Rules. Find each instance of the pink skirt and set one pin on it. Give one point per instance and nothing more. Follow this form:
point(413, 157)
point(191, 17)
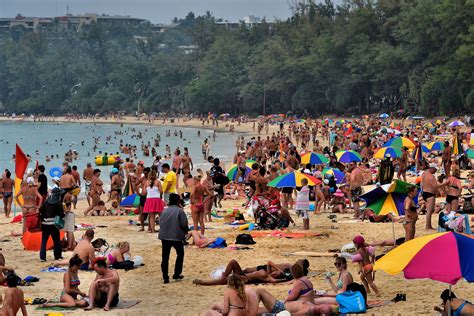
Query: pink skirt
point(154, 205)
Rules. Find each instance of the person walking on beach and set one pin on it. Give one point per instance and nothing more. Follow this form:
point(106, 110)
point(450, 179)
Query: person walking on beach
point(302, 203)
point(87, 176)
point(96, 190)
point(169, 183)
point(176, 165)
point(42, 183)
point(173, 230)
point(356, 180)
point(197, 203)
point(154, 204)
point(77, 179)
point(49, 210)
point(30, 195)
point(7, 188)
point(429, 185)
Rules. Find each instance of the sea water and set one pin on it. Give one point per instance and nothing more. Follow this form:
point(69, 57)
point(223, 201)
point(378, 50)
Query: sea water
point(39, 139)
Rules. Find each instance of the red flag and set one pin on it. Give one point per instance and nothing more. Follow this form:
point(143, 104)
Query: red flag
point(21, 162)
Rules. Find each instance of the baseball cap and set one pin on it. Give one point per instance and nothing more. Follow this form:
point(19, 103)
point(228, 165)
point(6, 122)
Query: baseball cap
point(115, 170)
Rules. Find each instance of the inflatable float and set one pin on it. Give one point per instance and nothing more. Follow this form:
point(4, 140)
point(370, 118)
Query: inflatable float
point(106, 160)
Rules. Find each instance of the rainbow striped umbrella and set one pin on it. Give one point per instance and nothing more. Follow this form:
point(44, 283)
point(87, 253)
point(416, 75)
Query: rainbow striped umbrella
point(400, 142)
point(347, 156)
point(234, 171)
point(455, 124)
point(131, 200)
point(457, 146)
point(388, 198)
point(385, 152)
point(338, 175)
point(470, 153)
point(314, 159)
point(417, 153)
point(444, 257)
point(292, 180)
point(436, 146)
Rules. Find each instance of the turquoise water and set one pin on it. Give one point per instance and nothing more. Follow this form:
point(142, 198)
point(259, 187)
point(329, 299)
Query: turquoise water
point(41, 139)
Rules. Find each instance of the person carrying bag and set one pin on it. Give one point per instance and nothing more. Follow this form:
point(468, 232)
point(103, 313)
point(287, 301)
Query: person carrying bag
point(52, 220)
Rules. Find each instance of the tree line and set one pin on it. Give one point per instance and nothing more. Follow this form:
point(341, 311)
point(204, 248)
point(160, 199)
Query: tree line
point(357, 57)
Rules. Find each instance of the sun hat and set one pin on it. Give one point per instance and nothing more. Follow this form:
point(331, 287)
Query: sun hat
point(339, 193)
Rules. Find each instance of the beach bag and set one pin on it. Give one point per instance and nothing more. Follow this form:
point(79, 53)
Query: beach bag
point(244, 239)
point(58, 222)
point(125, 265)
point(351, 302)
point(33, 222)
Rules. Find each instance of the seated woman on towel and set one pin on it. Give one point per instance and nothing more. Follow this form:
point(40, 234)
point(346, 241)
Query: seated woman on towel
point(300, 299)
point(116, 257)
point(343, 280)
point(238, 300)
point(259, 276)
point(459, 307)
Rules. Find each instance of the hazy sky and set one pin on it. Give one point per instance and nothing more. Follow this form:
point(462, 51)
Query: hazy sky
point(157, 11)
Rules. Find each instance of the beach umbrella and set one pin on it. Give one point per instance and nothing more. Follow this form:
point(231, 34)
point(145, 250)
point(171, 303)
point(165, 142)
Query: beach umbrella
point(471, 139)
point(234, 171)
point(388, 198)
point(131, 201)
point(417, 153)
point(436, 146)
point(420, 258)
point(292, 180)
point(400, 142)
point(470, 153)
point(388, 130)
point(438, 122)
point(314, 159)
point(457, 146)
point(338, 175)
point(385, 152)
point(455, 124)
point(347, 156)
point(128, 189)
point(384, 115)
point(428, 125)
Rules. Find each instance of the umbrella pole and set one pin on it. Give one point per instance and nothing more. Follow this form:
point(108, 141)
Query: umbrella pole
point(393, 232)
point(449, 305)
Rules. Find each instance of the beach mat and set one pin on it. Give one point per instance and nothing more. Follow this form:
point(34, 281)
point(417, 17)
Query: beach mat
point(281, 234)
point(312, 254)
point(123, 304)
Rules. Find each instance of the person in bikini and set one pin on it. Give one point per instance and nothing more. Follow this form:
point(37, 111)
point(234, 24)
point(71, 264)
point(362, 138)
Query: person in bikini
point(411, 214)
point(30, 195)
point(454, 188)
point(187, 162)
point(454, 306)
point(366, 265)
point(197, 203)
point(96, 191)
point(116, 184)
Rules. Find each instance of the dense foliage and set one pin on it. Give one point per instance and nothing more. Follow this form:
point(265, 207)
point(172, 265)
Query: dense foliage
point(360, 56)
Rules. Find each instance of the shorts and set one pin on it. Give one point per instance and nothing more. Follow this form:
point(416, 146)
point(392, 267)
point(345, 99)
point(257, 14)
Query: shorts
point(142, 200)
point(355, 194)
point(427, 195)
point(69, 222)
point(450, 198)
point(84, 266)
point(102, 300)
point(303, 213)
point(88, 187)
point(6, 195)
point(278, 307)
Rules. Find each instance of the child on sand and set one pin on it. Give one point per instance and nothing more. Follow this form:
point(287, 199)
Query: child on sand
point(302, 203)
point(115, 210)
point(14, 297)
point(366, 264)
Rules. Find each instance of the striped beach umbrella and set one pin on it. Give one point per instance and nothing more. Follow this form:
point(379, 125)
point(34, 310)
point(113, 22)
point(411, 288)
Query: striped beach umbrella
point(292, 180)
point(234, 171)
point(457, 146)
point(385, 152)
point(455, 124)
point(400, 142)
point(388, 198)
point(384, 115)
point(314, 159)
point(420, 258)
point(128, 189)
point(436, 146)
point(417, 153)
point(347, 156)
point(131, 201)
point(338, 175)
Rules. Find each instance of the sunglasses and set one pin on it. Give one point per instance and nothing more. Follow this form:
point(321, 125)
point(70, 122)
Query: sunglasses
point(337, 264)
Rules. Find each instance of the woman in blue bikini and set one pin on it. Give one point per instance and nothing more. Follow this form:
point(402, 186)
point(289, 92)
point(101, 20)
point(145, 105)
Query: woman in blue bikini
point(343, 280)
point(459, 307)
point(69, 295)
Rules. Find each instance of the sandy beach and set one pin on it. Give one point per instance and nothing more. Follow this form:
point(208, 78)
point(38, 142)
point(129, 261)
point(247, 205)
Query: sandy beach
point(183, 298)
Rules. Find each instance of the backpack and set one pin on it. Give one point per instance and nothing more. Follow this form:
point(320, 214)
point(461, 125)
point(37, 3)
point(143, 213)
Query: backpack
point(245, 239)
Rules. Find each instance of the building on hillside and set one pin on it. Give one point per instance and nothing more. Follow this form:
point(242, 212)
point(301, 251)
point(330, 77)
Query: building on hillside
point(248, 21)
point(29, 23)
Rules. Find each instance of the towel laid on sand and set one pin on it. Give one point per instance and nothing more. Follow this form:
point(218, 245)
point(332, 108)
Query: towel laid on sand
point(123, 304)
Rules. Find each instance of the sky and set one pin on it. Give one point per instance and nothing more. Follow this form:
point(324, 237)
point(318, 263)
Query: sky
point(157, 11)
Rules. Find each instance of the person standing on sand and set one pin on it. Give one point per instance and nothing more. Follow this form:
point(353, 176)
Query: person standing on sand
point(173, 230)
point(176, 165)
point(77, 179)
point(197, 203)
point(356, 180)
point(30, 197)
point(187, 163)
point(104, 290)
point(87, 176)
point(96, 190)
point(7, 188)
point(67, 181)
point(42, 183)
point(169, 183)
point(429, 185)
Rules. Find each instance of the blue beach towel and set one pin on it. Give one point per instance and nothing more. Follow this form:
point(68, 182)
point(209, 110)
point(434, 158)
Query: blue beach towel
point(219, 243)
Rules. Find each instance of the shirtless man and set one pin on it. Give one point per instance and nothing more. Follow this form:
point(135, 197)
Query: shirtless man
point(30, 196)
point(187, 163)
point(356, 180)
point(14, 298)
point(446, 158)
point(77, 179)
point(67, 181)
point(197, 204)
point(87, 176)
point(7, 190)
point(429, 185)
point(403, 165)
point(96, 190)
point(177, 164)
point(104, 290)
point(85, 250)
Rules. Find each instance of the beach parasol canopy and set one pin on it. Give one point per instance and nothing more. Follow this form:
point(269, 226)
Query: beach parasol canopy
point(338, 175)
point(457, 146)
point(292, 180)
point(470, 153)
point(384, 115)
point(455, 124)
point(400, 142)
point(347, 156)
point(388, 130)
point(234, 171)
point(388, 198)
point(385, 152)
point(438, 122)
point(132, 200)
point(314, 159)
point(444, 257)
point(436, 146)
point(128, 189)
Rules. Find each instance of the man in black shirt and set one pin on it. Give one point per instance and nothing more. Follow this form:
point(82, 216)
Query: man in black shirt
point(42, 183)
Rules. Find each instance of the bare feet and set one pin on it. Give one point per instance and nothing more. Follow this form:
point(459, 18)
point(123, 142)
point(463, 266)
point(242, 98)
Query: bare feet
point(197, 282)
point(89, 308)
point(106, 308)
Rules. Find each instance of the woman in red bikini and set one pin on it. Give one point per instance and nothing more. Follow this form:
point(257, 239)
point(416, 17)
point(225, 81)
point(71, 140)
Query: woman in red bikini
point(197, 204)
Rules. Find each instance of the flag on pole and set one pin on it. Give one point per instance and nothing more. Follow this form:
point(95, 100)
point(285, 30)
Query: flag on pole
point(21, 162)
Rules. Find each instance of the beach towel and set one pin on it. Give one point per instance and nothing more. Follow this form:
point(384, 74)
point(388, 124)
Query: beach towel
point(123, 304)
point(313, 254)
point(281, 234)
point(54, 269)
